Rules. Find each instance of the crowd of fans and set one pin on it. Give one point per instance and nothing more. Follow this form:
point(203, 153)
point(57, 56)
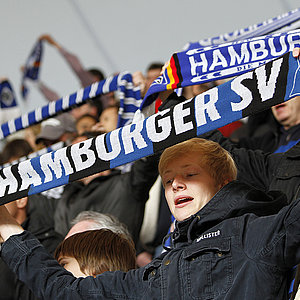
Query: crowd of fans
point(94, 225)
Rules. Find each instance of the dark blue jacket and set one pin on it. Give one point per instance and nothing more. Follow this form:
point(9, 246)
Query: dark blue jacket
point(233, 248)
point(266, 171)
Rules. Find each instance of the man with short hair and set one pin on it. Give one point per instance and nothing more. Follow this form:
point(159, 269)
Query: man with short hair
point(93, 220)
point(229, 239)
point(58, 129)
point(281, 130)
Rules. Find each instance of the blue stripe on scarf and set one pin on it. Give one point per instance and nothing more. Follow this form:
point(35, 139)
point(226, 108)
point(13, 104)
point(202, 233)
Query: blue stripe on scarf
point(35, 162)
point(266, 27)
point(213, 63)
point(166, 128)
point(122, 81)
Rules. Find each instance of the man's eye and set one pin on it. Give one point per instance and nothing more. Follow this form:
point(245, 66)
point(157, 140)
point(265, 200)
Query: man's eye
point(191, 174)
point(167, 182)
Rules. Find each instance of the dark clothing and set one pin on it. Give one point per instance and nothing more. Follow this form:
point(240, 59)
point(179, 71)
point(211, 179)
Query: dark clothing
point(276, 139)
point(235, 247)
point(266, 171)
point(121, 195)
point(40, 222)
point(267, 142)
point(288, 138)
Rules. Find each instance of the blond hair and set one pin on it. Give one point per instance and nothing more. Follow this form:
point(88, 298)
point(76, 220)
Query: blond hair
point(215, 159)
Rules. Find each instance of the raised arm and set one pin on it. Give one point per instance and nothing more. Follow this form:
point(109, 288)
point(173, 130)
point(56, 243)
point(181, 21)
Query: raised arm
point(85, 77)
point(25, 256)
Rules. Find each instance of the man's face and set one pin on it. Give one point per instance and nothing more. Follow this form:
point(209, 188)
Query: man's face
point(288, 113)
point(109, 119)
point(188, 186)
point(85, 124)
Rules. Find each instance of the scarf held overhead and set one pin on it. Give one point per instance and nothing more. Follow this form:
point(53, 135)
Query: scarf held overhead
point(283, 23)
point(130, 100)
point(198, 66)
point(249, 93)
point(32, 67)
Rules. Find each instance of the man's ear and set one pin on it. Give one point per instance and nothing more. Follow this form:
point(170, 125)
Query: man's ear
point(22, 203)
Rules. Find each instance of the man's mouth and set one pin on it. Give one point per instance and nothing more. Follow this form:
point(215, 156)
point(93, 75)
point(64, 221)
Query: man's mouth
point(183, 200)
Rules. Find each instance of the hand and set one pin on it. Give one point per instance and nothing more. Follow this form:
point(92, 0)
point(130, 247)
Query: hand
point(296, 52)
point(8, 225)
point(164, 67)
point(143, 259)
point(3, 79)
point(138, 79)
point(98, 127)
point(50, 40)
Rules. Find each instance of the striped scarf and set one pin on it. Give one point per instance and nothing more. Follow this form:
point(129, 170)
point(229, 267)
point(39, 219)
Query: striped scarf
point(283, 23)
point(130, 100)
point(198, 66)
point(247, 94)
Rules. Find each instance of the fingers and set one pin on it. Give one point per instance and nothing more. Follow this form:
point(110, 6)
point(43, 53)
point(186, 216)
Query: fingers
point(296, 52)
point(8, 225)
point(98, 127)
point(138, 79)
point(164, 67)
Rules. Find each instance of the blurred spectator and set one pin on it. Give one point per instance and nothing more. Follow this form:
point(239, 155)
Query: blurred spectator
point(30, 134)
point(86, 76)
point(152, 72)
point(85, 123)
point(91, 220)
point(122, 195)
point(61, 128)
point(34, 213)
point(274, 130)
point(108, 120)
point(15, 149)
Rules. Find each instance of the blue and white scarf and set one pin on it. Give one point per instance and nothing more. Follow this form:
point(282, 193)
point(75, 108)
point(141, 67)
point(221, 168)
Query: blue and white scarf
point(202, 65)
point(130, 100)
point(51, 148)
point(283, 23)
point(268, 85)
point(32, 67)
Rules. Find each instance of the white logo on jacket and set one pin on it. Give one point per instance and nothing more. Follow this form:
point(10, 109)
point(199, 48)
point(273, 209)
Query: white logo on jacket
point(208, 235)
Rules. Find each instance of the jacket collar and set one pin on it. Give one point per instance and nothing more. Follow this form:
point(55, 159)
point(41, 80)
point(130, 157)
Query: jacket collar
point(233, 200)
point(294, 151)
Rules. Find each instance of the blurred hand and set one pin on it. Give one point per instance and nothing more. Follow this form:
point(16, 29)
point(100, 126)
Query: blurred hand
point(8, 225)
point(49, 39)
point(98, 127)
point(138, 79)
point(143, 259)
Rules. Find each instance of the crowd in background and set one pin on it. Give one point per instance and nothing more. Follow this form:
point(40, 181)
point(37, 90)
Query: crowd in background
point(117, 219)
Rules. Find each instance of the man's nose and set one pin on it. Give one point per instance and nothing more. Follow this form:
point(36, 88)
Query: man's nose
point(178, 183)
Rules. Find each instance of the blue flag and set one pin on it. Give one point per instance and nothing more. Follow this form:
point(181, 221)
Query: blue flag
point(32, 67)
